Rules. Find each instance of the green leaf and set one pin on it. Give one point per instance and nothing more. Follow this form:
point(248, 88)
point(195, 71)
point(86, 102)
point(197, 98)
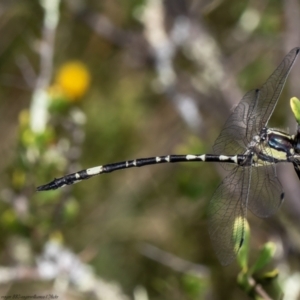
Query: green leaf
point(269, 276)
point(243, 254)
point(243, 281)
point(295, 106)
point(266, 254)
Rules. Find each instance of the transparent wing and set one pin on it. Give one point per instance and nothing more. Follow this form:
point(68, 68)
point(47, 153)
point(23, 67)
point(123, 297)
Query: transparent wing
point(233, 137)
point(237, 131)
point(266, 193)
point(253, 112)
point(271, 90)
point(227, 213)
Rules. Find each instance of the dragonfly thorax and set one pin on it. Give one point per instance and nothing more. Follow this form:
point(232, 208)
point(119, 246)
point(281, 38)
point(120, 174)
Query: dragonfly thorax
point(270, 146)
point(256, 140)
point(281, 143)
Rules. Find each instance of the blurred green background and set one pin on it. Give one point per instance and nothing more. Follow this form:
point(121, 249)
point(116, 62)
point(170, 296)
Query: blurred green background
point(151, 77)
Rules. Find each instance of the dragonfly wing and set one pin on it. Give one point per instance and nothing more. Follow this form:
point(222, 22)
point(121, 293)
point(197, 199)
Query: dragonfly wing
point(227, 213)
point(271, 90)
point(266, 194)
point(237, 131)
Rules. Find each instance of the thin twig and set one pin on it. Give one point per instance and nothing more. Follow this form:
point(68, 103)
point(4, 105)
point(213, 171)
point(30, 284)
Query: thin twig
point(39, 104)
point(176, 263)
point(259, 289)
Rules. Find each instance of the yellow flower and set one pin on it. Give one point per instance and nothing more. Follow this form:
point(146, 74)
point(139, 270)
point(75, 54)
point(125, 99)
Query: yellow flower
point(73, 78)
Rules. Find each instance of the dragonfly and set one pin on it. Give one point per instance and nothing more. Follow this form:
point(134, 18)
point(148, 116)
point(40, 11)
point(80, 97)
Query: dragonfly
point(248, 150)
